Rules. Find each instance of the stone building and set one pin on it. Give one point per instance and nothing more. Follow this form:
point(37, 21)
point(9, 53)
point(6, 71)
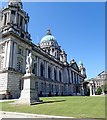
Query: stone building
point(54, 75)
point(97, 82)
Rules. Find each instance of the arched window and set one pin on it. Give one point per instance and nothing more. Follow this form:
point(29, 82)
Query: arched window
point(41, 70)
point(60, 76)
point(55, 74)
point(49, 72)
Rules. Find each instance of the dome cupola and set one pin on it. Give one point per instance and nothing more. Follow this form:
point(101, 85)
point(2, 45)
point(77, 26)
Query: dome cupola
point(48, 37)
point(50, 45)
point(48, 40)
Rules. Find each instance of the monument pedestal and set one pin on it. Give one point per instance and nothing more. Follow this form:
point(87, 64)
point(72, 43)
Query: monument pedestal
point(29, 95)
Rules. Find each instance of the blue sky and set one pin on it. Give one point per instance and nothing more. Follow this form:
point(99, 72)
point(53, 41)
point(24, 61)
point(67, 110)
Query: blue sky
point(79, 28)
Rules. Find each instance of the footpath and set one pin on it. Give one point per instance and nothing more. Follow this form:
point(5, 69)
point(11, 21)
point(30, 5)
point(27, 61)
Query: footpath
point(4, 114)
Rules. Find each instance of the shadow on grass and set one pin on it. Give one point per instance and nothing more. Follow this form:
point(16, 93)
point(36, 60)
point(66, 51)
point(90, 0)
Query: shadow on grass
point(51, 101)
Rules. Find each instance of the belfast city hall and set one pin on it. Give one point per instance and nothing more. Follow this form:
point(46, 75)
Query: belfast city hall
point(54, 75)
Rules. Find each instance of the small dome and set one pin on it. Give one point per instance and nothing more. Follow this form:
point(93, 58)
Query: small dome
point(80, 63)
point(48, 37)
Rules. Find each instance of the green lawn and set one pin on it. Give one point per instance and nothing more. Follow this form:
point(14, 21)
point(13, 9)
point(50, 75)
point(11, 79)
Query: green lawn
point(79, 107)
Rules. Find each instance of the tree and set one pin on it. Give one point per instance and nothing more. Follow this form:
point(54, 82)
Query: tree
point(99, 91)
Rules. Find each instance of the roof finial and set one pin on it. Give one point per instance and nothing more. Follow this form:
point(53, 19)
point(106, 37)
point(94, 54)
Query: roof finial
point(48, 32)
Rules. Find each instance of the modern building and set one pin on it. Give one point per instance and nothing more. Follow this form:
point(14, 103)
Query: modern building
point(54, 75)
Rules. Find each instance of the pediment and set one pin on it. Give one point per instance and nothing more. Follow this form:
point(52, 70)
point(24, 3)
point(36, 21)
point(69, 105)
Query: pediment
point(75, 66)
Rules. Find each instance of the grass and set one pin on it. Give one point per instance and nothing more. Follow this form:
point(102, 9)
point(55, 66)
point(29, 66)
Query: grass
point(79, 107)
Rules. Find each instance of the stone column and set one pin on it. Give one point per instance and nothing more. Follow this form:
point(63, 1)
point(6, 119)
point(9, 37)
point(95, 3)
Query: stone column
point(62, 76)
point(93, 89)
point(5, 57)
point(19, 21)
point(76, 78)
point(52, 73)
point(82, 89)
point(70, 76)
point(37, 66)
point(16, 18)
point(9, 55)
point(15, 55)
point(23, 24)
point(8, 17)
point(47, 70)
point(57, 74)
point(73, 77)
point(90, 89)
point(3, 19)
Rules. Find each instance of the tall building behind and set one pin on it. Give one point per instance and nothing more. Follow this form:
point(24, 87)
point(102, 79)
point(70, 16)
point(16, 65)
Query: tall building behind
point(54, 75)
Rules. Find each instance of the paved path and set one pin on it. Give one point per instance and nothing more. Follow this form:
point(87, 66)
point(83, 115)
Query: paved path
point(4, 114)
point(8, 100)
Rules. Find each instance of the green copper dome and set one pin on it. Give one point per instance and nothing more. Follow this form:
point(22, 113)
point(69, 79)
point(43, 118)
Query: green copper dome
point(48, 37)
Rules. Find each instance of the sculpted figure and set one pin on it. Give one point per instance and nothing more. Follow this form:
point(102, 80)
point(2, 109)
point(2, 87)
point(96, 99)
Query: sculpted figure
point(29, 64)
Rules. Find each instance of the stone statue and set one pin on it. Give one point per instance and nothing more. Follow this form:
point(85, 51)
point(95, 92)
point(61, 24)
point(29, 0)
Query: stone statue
point(29, 63)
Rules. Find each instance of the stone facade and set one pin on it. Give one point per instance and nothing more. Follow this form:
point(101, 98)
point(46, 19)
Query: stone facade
point(53, 74)
point(98, 82)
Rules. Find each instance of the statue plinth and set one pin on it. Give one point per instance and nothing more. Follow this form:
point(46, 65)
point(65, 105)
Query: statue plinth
point(29, 95)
